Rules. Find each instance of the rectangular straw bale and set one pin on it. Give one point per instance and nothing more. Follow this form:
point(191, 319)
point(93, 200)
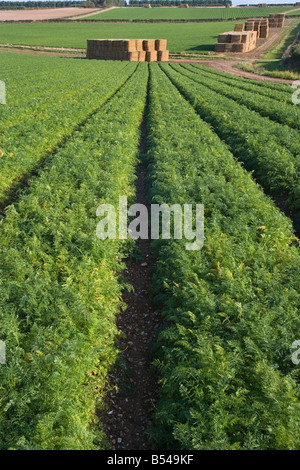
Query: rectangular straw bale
point(151, 56)
point(239, 27)
point(162, 56)
point(224, 37)
point(130, 45)
point(139, 44)
point(220, 47)
point(249, 27)
point(235, 38)
point(149, 44)
point(141, 56)
point(228, 47)
point(131, 56)
point(238, 47)
point(160, 44)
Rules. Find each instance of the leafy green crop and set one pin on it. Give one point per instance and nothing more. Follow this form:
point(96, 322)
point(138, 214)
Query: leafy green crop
point(190, 14)
point(46, 112)
point(232, 308)
point(192, 37)
point(277, 91)
point(60, 286)
point(287, 113)
point(72, 131)
point(270, 149)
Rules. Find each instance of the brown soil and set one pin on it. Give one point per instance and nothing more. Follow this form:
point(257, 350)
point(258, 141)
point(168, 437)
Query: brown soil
point(43, 14)
point(133, 387)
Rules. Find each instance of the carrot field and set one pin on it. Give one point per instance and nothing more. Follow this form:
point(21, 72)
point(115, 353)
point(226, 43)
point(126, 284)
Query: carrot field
point(72, 137)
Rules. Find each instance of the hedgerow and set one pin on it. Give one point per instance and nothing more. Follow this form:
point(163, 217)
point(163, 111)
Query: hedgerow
point(232, 308)
point(60, 286)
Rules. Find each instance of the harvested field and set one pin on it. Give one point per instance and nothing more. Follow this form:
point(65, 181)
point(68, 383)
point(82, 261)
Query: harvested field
point(43, 13)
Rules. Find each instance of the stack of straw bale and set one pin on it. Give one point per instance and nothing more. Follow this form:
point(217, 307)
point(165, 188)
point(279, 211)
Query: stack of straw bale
point(140, 50)
point(277, 20)
point(260, 25)
point(234, 41)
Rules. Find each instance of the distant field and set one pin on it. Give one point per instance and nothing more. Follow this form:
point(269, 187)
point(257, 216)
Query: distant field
point(42, 13)
point(190, 37)
point(294, 13)
point(186, 14)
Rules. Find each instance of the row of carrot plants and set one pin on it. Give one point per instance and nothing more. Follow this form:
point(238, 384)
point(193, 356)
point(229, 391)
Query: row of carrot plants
point(35, 126)
point(283, 134)
point(277, 91)
point(284, 113)
point(231, 309)
point(60, 287)
point(268, 149)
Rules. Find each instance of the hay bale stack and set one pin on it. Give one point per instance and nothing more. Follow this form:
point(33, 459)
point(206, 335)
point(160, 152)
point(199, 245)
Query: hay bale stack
point(249, 26)
point(234, 41)
point(276, 20)
point(140, 50)
point(260, 25)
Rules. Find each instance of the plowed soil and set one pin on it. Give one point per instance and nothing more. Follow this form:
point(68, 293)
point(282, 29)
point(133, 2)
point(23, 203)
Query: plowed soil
point(43, 13)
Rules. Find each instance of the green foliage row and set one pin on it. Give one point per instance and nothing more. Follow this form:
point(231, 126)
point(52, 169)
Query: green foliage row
point(269, 149)
point(281, 92)
point(59, 284)
point(232, 308)
point(286, 113)
point(50, 105)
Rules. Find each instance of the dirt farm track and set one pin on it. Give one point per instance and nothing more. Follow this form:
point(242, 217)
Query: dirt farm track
point(43, 14)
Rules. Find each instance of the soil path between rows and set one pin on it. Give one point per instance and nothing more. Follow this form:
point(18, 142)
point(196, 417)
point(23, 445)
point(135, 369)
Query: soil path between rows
point(134, 388)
